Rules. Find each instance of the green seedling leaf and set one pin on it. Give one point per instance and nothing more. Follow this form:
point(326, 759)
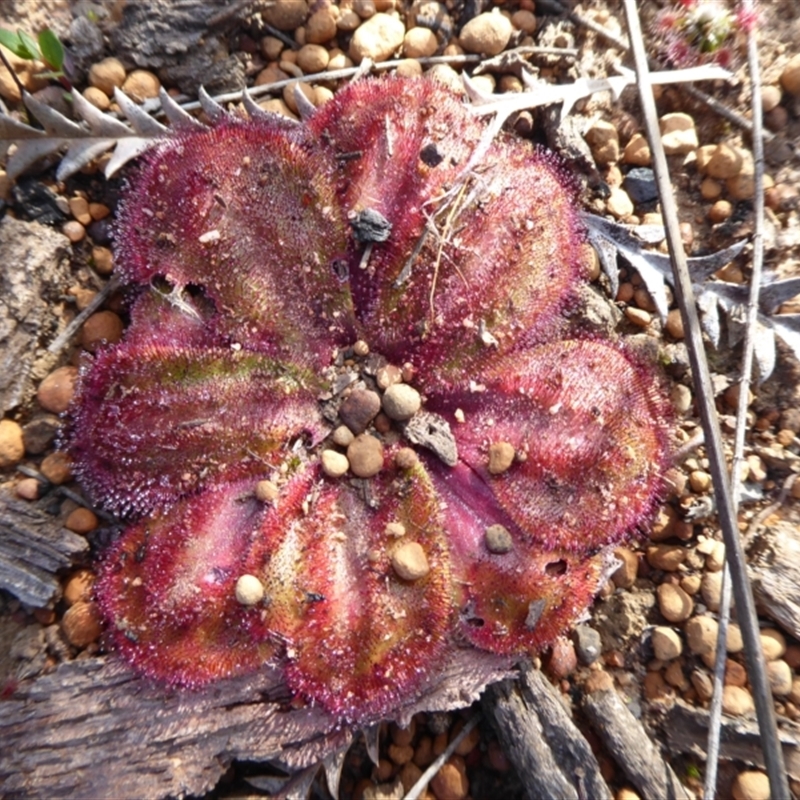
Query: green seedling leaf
point(52, 50)
point(29, 44)
point(11, 41)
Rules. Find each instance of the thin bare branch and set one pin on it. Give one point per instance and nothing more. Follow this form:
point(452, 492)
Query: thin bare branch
point(726, 509)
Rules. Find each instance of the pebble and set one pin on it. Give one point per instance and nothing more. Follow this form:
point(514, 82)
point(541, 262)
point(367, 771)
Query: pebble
point(779, 675)
point(737, 701)
point(27, 489)
point(409, 774)
point(107, 74)
point(625, 574)
point(400, 754)
point(501, 457)
point(56, 467)
point(450, 782)
point(524, 20)
point(266, 492)
point(342, 435)
point(401, 401)
point(794, 694)
point(410, 562)
point(103, 260)
point(419, 43)
point(395, 529)
point(703, 684)
point(675, 676)
point(468, 743)
point(365, 454)
point(678, 134)
point(588, 644)
point(12, 448)
point(773, 643)
point(312, 58)
point(701, 635)
point(73, 230)
point(249, 590)
point(637, 151)
point(735, 642)
point(377, 38)
point(359, 408)
point(665, 556)
point(735, 673)
point(409, 68)
point(655, 688)
point(638, 316)
point(710, 189)
point(675, 605)
point(711, 589)
point(81, 623)
point(486, 33)
point(742, 186)
point(104, 327)
point(618, 203)
point(81, 520)
point(666, 643)
point(681, 397)
point(715, 560)
point(79, 587)
point(699, 480)
point(388, 375)
point(79, 208)
point(750, 785)
point(334, 463)
point(603, 140)
point(321, 25)
point(57, 389)
point(725, 162)
point(770, 97)
point(720, 211)
point(285, 16)
point(790, 77)
point(498, 539)
point(406, 458)
point(141, 85)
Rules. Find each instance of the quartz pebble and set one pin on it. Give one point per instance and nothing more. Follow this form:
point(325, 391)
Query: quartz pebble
point(249, 590)
point(678, 134)
point(486, 33)
point(625, 574)
point(563, 660)
point(312, 58)
point(334, 463)
point(637, 151)
point(342, 435)
point(711, 589)
point(56, 467)
point(401, 401)
point(377, 38)
point(103, 260)
point(321, 25)
point(725, 162)
point(603, 140)
point(365, 454)
point(27, 489)
point(450, 782)
point(419, 43)
point(619, 203)
point(141, 85)
point(665, 556)
point(773, 643)
point(751, 785)
point(73, 230)
point(666, 643)
point(12, 447)
point(410, 562)
point(285, 16)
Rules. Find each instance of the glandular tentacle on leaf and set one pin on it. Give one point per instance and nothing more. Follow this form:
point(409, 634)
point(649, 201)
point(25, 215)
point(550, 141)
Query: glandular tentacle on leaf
point(157, 420)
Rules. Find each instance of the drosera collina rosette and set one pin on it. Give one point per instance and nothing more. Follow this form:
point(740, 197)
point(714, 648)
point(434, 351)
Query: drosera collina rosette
point(349, 427)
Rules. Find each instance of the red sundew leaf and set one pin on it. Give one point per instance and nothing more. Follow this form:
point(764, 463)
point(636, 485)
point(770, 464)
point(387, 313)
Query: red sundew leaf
point(167, 589)
point(360, 640)
point(519, 600)
point(153, 420)
point(399, 144)
point(588, 424)
point(248, 214)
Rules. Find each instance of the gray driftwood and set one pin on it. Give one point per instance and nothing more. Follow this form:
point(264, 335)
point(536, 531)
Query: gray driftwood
point(551, 755)
point(686, 729)
point(629, 744)
point(774, 569)
point(34, 272)
point(33, 547)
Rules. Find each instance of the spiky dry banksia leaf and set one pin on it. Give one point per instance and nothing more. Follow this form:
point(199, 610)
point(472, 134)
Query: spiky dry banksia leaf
point(280, 270)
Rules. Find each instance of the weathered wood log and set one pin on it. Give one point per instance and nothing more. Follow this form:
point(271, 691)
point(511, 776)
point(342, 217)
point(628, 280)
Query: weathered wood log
point(33, 547)
point(686, 730)
point(550, 754)
point(774, 569)
point(630, 746)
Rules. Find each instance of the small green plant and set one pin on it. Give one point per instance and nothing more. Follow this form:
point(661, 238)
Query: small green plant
point(46, 48)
